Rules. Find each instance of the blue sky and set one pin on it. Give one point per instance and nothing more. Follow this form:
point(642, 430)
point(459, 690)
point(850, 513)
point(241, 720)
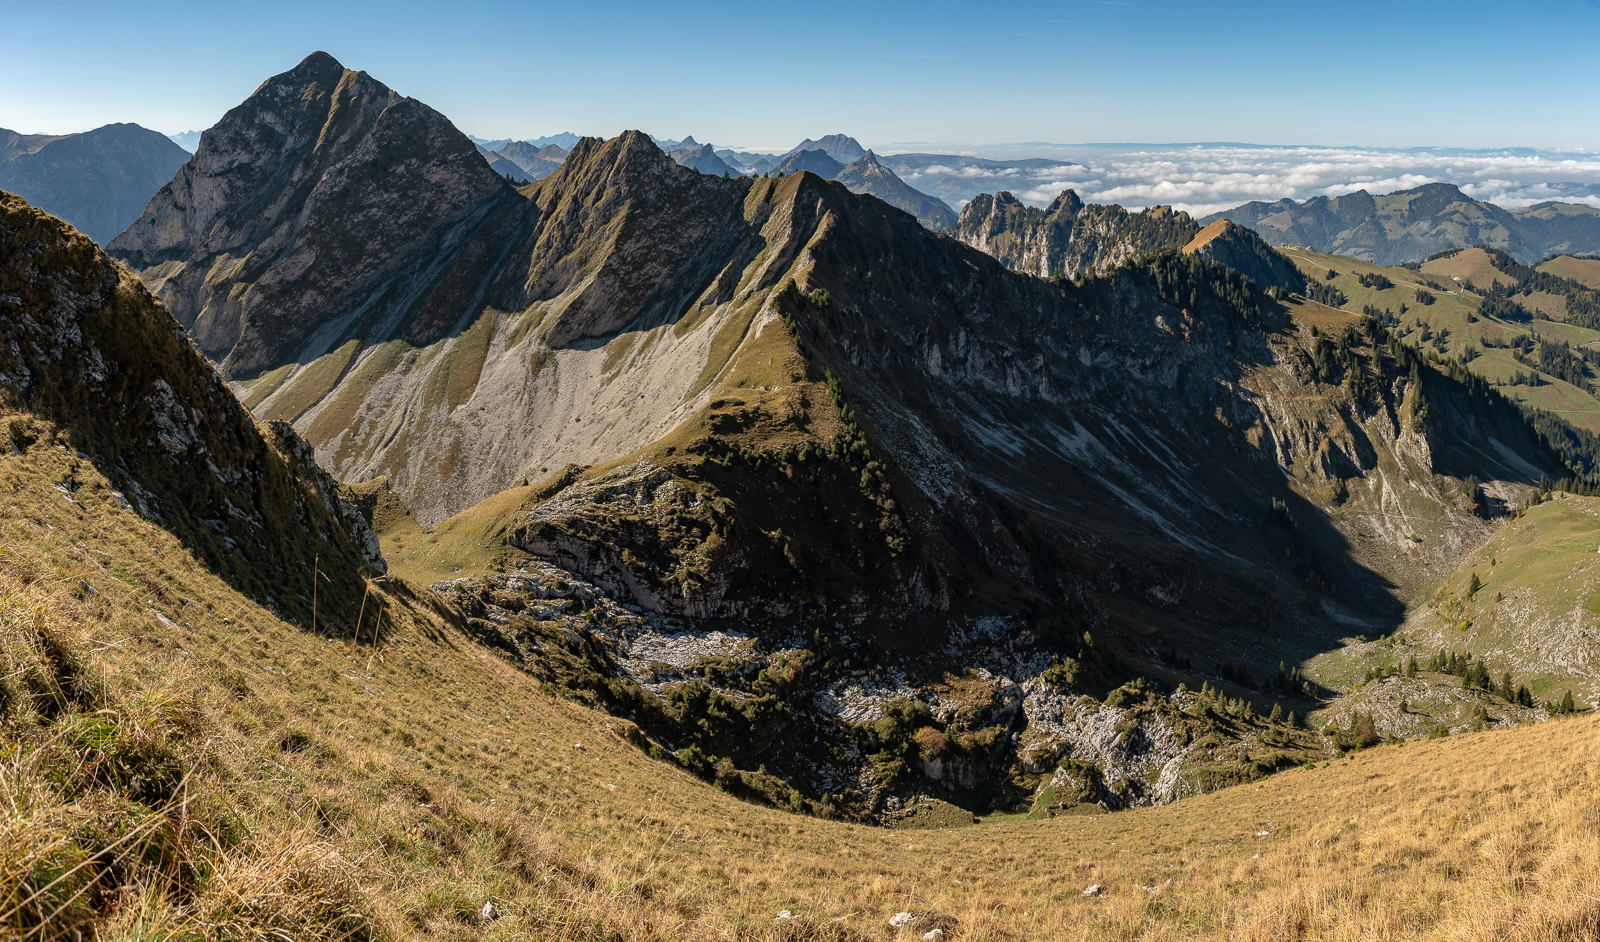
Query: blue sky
point(1464, 74)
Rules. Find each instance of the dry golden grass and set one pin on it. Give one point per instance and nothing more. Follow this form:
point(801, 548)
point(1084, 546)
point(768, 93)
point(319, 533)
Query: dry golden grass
point(1584, 270)
point(335, 789)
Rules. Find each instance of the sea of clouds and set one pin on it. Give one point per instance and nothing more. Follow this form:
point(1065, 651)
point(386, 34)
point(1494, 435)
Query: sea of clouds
point(1205, 178)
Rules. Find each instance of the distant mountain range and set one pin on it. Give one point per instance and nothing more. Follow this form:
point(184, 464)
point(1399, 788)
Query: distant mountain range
point(188, 140)
point(523, 161)
point(819, 162)
point(865, 174)
point(703, 159)
point(868, 175)
point(564, 140)
point(99, 181)
point(956, 178)
point(1410, 225)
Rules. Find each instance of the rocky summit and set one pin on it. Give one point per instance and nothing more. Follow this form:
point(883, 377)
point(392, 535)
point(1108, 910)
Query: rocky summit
point(279, 220)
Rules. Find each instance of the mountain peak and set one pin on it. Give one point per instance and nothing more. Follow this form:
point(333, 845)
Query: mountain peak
point(371, 168)
point(841, 147)
point(867, 175)
point(1066, 201)
point(318, 67)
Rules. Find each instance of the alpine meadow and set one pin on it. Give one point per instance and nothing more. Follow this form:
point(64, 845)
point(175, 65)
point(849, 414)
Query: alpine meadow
point(596, 535)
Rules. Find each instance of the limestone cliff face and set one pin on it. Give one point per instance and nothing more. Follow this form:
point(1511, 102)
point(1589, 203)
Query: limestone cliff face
point(323, 198)
point(1067, 238)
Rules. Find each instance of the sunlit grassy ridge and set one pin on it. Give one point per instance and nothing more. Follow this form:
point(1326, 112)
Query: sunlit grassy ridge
point(1536, 606)
point(224, 773)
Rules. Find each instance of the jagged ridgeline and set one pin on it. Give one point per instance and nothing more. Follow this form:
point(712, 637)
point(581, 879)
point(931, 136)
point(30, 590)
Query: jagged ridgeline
point(1068, 239)
point(91, 364)
point(922, 498)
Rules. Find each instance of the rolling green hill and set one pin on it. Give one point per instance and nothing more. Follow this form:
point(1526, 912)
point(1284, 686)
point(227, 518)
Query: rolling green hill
point(1585, 270)
point(1451, 323)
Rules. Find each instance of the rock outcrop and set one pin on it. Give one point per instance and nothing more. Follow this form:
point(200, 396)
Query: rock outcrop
point(1067, 238)
point(89, 359)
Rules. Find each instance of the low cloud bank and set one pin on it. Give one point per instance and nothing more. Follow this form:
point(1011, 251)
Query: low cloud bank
point(1203, 179)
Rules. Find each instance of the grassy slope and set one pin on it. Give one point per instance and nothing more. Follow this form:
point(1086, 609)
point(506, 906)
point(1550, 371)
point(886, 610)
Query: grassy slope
point(1451, 311)
point(1585, 270)
point(392, 788)
point(1538, 610)
point(472, 542)
point(1535, 615)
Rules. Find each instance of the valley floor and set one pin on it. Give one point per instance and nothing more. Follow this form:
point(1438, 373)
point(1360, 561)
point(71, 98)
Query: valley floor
point(176, 762)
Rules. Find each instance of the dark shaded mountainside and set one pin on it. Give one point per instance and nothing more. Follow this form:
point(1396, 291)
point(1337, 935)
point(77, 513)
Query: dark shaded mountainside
point(1068, 239)
point(99, 181)
point(842, 512)
point(91, 364)
point(1410, 225)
